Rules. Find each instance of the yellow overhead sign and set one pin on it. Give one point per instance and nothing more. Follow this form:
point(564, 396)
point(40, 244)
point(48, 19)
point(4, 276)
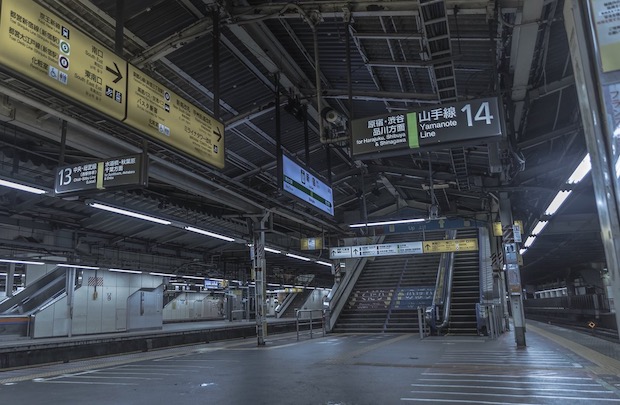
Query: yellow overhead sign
point(45, 48)
point(497, 227)
point(40, 45)
point(161, 113)
point(450, 245)
point(311, 243)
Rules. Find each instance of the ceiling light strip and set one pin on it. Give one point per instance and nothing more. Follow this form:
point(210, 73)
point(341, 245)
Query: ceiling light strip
point(129, 213)
point(208, 233)
point(19, 261)
point(21, 187)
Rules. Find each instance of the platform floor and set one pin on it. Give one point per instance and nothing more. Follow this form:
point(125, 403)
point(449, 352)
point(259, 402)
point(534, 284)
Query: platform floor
point(557, 367)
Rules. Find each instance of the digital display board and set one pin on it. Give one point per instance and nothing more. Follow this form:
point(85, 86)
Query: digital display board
point(164, 115)
point(46, 48)
point(299, 182)
point(114, 172)
point(441, 124)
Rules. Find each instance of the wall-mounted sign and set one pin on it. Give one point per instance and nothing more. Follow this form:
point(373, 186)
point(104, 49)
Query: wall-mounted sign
point(110, 173)
point(43, 47)
point(311, 243)
point(301, 183)
point(605, 15)
point(404, 248)
point(386, 249)
point(450, 245)
point(441, 124)
point(40, 45)
point(497, 227)
point(167, 117)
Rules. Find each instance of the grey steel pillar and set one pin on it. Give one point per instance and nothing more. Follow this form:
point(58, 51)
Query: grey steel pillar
point(594, 43)
point(70, 288)
point(10, 276)
point(513, 275)
point(260, 278)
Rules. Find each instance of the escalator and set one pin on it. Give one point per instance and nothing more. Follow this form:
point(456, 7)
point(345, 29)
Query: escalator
point(297, 303)
point(465, 290)
point(36, 294)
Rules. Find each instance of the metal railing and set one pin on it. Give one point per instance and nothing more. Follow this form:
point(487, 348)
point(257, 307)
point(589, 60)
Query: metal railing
point(493, 315)
point(309, 321)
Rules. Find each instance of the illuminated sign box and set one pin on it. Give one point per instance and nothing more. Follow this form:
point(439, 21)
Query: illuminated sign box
point(126, 171)
point(441, 124)
point(301, 183)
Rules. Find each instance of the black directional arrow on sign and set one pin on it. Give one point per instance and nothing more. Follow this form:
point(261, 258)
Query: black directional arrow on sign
point(116, 72)
point(218, 133)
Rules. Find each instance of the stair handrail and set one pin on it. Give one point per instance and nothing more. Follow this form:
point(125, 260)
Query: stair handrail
point(443, 289)
point(283, 306)
point(336, 299)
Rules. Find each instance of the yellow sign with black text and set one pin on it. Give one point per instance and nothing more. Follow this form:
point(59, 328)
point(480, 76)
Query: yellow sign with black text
point(450, 245)
point(162, 114)
point(44, 48)
point(38, 44)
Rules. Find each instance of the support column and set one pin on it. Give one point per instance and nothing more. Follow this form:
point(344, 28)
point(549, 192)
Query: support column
point(513, 275)
point(70, 289)
point(260, 278)
point(10, 276)
point(594, 44)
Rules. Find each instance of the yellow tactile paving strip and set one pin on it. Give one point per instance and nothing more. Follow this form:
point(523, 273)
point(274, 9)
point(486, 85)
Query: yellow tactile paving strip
point(605, 364)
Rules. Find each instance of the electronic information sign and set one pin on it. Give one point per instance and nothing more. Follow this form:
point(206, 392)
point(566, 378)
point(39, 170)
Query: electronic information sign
point(114, 172)
point(46, 48)
point(162, 114)
point(441, 124)
point(304, 185)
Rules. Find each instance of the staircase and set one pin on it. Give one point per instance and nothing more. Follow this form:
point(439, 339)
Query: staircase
point(465, 289)
point(386, 294)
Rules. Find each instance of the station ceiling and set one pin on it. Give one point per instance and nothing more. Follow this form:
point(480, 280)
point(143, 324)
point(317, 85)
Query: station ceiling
point(374, 57)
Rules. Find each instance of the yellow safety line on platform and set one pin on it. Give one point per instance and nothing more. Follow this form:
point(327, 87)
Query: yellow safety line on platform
point(606, 364)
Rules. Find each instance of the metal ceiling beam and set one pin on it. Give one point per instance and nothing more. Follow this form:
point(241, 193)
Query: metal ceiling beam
point(524, 40)
point(361, 8)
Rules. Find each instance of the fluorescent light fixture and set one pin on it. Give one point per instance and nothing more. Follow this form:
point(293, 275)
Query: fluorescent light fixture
point(396, 221)
point(539, 227)
point(125, 271)
point(20, 261)
point(557, 202)
point(581, 171)
point(323, 263)
point(287, 286)
point(22, 187)
point(129, 213)
point(267, 249)
point(529, 241)
point(522, 251)
point(273, 285)
point(193, 277)
point(162, 274)
point(298, 257)
point(77, 266)
point(207, 233)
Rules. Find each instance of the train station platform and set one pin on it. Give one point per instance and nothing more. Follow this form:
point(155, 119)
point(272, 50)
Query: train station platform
point(558, 366)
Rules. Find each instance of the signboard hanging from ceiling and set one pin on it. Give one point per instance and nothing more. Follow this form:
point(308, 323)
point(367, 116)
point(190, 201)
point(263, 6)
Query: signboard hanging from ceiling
point(447, 124)
point(301, 183)
point(45, 48)
point(123, 171)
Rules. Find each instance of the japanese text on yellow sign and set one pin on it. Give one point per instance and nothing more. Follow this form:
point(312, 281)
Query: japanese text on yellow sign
point(452, 245)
